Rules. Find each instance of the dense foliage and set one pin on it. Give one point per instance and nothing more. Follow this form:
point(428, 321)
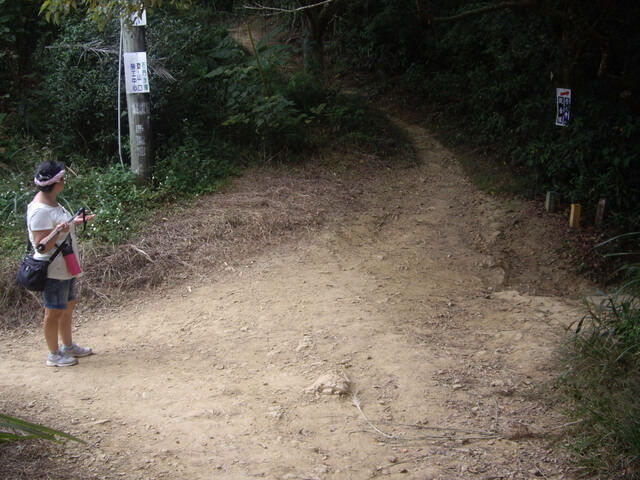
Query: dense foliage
point(217, 106)
point(490, 80)
point(21, 29)
point(485, 80)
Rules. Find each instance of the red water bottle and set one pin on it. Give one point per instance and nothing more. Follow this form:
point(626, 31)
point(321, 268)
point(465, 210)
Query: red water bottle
point(70, 258)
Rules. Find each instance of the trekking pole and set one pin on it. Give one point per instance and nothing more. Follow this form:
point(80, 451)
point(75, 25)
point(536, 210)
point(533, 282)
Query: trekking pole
point(42, 245)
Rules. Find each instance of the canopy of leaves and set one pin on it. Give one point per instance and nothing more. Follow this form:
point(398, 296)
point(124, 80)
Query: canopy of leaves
point(100, 11)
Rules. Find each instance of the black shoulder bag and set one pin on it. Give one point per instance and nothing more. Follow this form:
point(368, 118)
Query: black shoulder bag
point(32, 273)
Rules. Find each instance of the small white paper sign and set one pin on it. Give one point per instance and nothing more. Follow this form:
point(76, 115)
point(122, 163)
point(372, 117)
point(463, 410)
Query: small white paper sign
point(135, 72)
point(563, 106)
point(139, 19)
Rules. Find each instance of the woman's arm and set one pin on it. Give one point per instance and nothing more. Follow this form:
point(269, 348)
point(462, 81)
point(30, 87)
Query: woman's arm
point(45, 239)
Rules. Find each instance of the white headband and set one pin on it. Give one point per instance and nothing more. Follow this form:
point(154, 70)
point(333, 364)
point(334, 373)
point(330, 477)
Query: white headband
point(55, 179)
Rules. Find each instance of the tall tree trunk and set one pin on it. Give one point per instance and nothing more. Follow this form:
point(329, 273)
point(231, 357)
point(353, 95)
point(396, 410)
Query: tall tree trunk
point(139, 113)
point(312, 47)
point(315, 20)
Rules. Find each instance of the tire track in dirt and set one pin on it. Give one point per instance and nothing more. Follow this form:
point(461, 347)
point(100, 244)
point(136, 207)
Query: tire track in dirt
point(405, 297)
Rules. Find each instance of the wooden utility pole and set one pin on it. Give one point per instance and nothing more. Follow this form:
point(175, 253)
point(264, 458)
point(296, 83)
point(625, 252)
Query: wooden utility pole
point(139, 110)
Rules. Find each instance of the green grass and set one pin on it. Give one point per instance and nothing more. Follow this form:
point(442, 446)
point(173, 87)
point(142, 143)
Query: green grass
point(601, 383)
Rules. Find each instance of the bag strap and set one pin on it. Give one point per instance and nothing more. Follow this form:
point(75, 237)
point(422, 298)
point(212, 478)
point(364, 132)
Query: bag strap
point(55, 254)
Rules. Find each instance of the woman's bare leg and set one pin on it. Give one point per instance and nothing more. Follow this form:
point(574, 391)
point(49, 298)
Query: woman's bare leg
point(51, 326)
point(64, 324)
point(57, 324)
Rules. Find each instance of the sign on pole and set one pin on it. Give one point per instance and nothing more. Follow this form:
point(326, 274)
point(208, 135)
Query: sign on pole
point(135, 72)
point(564, 106)
point(139, 19)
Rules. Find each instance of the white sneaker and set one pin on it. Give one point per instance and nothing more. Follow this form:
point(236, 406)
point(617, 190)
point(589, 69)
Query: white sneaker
point(59, 359)
point(75, 350)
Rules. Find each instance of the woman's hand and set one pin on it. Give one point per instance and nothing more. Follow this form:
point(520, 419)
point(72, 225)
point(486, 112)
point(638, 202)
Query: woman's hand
point(62, 227)
point(86, 218)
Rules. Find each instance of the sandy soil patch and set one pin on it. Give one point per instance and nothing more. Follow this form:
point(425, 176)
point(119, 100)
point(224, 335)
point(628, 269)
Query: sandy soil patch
point(402, 332)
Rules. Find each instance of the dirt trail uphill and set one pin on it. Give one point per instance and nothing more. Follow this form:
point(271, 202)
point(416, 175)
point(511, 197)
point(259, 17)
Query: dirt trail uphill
point(405, 336)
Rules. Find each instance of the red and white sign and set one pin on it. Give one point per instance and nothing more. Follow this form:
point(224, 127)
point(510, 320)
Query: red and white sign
point(563, 106)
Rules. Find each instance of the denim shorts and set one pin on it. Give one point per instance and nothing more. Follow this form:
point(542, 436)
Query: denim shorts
point(57, 293)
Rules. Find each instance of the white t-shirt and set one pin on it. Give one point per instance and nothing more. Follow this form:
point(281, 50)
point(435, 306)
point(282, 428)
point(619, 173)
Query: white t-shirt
point(44, 217)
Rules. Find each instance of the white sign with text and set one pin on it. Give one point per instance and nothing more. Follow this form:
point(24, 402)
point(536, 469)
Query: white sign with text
point(135, 72)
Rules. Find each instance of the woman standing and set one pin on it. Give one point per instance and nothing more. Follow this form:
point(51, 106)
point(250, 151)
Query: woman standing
point(44, 216)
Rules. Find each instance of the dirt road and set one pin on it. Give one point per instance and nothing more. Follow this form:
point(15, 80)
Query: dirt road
point(405, 337)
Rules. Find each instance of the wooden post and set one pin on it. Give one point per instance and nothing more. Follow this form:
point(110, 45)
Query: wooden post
point(574, 218)
point(550, 204)
point(601, 211)
point(139, 112)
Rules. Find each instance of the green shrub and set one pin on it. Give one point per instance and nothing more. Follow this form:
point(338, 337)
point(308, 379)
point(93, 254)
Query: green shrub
point(262, 107)
point(113, 195)
point(188, 47)
point(272, 120)
point(109, 192)
point(18, 160)
point(79, 103)
point(304, 92)
point(192, 170)
point(602, 383)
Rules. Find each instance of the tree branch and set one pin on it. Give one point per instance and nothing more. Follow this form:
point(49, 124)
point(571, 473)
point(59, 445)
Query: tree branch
point(557, 15)
point(257, 6)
